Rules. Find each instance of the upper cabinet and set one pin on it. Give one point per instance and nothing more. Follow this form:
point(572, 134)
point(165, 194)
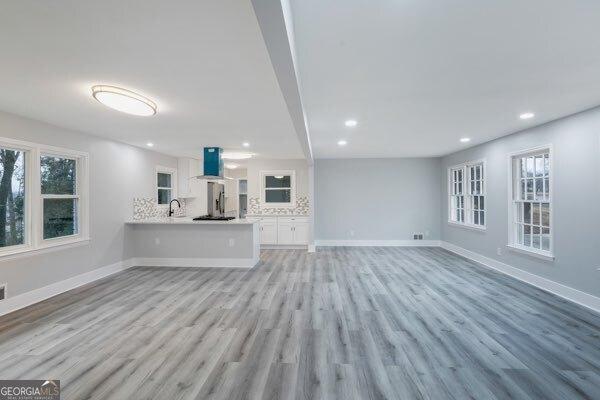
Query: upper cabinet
point(187, 169)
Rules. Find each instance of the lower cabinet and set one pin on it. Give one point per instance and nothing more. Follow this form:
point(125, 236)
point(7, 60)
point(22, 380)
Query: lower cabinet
point(292, 230)
point(268, 231)
point(284, 230)
point(301, 233)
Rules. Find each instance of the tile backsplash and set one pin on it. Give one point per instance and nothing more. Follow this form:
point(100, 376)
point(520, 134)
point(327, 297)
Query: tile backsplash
point(146, 207)
point(256, 208)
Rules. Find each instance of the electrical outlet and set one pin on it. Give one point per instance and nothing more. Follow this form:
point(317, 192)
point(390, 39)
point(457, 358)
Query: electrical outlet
point(499, 251)
point(157, 241)
point(352, 233)
point(231, 242)
point(426, 233)
point(417, 236)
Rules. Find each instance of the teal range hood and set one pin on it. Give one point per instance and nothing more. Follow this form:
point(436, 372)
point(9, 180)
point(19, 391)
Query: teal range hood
point(213, 164)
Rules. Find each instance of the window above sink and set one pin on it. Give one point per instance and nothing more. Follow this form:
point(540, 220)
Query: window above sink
point(278, 188)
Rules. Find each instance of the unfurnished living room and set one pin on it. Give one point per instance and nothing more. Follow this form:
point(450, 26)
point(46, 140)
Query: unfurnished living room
point(299, 199)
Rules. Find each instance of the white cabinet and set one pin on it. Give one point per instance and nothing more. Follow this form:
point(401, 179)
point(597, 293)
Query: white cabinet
point(285, 233)
point(231, 196)
point(187, 169)
point(284, 230)
point(301, 233)
point(292, 230)
point(268, 230)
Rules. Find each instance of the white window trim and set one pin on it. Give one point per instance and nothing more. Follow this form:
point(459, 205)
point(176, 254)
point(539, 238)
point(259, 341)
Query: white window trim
point(173, 173)
point(292, 174)
point(512, 242)
point(466, 176)
point(34, 240)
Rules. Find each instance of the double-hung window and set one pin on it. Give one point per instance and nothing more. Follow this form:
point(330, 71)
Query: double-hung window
point(14, 196)
point(278, 188)
point(531, 201)
point(43, 196)
point(60, 195)
point(466, 189)
point(166, 185)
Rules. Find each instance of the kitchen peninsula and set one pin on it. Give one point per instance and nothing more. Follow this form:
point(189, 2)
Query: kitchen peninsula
point(183, 242)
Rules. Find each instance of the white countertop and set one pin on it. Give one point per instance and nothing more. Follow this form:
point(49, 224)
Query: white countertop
point(189, 221)
point(278, 215)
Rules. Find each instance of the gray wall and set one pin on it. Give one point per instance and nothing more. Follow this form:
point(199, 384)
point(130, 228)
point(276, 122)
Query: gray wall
point(118, 172)
point(378, 199)
point(576, 145)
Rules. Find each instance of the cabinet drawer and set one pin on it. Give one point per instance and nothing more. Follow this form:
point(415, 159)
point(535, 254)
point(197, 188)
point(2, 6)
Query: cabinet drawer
point(288, 220)
point(268, 220)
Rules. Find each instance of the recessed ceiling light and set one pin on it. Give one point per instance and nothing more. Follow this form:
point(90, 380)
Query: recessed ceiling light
point(246, 144)
point(342, 142)
point(124, 100)
point(350, 123)
point(236, 155)
point(527, 115)
point(231, 166)
point(150, 144)
point(465, 140)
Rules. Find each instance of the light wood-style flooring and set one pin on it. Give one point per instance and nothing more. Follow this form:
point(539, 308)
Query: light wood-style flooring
point(343, 323)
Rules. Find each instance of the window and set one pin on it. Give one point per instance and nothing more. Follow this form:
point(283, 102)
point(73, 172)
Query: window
point(531, 201)
point(466, 189)
point(165, 185)
point(12, 197)
point(278, 188)
point(43, 196)
point(60, 198)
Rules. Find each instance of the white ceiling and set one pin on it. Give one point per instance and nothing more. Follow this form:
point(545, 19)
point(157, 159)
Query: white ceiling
point(203, 62)
point(420, 74)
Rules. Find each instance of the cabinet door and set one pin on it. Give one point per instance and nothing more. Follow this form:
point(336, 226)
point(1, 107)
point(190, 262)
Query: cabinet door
point(285, 233)
point(268, 233)
point(301, 233)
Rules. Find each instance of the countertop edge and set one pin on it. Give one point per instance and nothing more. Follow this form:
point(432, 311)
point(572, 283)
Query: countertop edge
point(189, 221)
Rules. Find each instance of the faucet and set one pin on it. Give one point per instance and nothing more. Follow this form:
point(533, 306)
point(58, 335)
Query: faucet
point(171, 212)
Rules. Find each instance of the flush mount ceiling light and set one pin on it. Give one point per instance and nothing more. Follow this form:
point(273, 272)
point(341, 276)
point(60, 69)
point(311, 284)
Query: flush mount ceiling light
point(231, 166)
point(124, 100)
point(246, 144)
point(527, 115)
point(278, 176)
point(465, 140)
point(350, 123)
point(236, 155)
point(342, 142)
point(150, 144)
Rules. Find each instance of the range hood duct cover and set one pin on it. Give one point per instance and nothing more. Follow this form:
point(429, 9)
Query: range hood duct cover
point(213, 164)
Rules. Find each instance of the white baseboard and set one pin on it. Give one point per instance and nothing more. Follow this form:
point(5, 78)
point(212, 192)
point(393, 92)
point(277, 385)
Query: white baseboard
point(378, 243)
point(11, 304)
point(195, 262)
point(283, 247)
point(566, 292)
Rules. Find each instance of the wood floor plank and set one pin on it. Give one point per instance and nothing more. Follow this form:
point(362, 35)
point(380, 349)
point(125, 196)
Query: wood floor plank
point(341, 323)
